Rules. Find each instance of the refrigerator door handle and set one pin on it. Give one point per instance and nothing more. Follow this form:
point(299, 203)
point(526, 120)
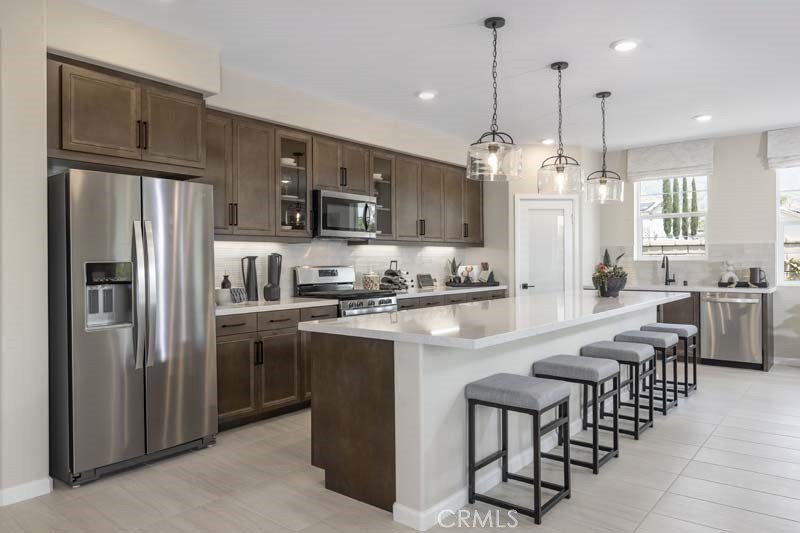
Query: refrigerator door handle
point(152, 293)
point(140, 296)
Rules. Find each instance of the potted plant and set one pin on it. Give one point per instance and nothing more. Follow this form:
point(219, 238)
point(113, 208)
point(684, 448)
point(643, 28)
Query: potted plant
point(609, 278)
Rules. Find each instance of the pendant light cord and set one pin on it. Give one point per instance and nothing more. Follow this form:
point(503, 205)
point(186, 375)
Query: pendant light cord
point(560, 116)
point(605, 148)
point(493, 127)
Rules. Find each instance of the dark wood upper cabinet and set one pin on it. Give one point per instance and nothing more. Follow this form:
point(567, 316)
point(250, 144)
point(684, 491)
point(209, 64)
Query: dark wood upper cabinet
point(327, 170)
point(173, 127)
point(382, 176)
point(355, 161)
point(293, 188)
point(407, 225)
point(473, 211)
point(454, 223)
point(236, 376)
point(219, 169)
point(279, 378)
point(253, 178)
point(431, 201)
point(340, 166)
point(100, 114)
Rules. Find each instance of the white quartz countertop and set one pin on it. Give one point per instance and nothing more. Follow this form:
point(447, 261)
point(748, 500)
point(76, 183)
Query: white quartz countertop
point(697, 288)
point(285, 303)
point(441, 291)
point(482, 324)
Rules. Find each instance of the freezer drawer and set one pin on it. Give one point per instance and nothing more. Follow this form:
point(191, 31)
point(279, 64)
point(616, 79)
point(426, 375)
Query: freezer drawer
point(731, 325)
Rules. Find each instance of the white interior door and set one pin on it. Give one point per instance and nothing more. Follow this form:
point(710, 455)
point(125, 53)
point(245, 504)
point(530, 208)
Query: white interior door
point(545, 245)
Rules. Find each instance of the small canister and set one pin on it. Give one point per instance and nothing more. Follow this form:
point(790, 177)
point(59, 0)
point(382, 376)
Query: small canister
point(370, 281)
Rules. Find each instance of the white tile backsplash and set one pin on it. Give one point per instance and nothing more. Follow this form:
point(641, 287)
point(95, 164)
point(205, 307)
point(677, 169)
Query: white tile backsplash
point(370, 258)
point(741, 257)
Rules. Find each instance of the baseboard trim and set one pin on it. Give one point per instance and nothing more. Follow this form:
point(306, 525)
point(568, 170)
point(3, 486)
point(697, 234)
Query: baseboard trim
point(25, 491)
point(487, 478)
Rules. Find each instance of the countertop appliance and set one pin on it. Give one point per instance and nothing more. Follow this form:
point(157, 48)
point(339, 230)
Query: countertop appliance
point(131, 308)
point(344, 216)
point(758, 278)
point(731, 326)
point(338, 282)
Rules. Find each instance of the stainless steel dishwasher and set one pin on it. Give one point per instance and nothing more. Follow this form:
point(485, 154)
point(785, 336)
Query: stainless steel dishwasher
point(731, 326)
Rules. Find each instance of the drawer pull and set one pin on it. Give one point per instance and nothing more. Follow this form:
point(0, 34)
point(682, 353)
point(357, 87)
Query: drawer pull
point(323, 315)
point(237, 325)
point(279, 319)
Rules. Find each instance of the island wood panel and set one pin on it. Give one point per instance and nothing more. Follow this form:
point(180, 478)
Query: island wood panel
point(686, 311)
point(352, 417)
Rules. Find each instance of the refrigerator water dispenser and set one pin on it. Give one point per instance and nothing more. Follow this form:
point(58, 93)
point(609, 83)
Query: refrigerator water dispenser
point(109, 290)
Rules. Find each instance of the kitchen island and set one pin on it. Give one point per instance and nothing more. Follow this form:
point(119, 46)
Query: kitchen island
point(389, 414)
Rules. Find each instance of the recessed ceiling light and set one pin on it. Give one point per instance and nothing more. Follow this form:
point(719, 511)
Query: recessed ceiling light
point(702, 118)
point(428, 94)
point(624, 45)
point(548, 141)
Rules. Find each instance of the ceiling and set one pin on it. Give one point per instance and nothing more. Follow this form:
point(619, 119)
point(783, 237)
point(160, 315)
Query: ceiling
point(735, 60)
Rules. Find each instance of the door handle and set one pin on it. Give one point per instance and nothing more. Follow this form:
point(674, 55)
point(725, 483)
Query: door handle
point(140, 296)
point(152, 293)
point(146, 135)
point(526, 285)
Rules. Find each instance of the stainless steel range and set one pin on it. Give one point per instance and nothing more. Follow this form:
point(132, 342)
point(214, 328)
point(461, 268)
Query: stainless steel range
point(338, 282)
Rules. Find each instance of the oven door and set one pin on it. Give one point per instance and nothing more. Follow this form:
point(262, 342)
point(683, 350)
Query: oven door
point(344, 215)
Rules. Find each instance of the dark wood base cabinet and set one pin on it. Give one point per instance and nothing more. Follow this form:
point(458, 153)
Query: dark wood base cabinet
point(263, 364)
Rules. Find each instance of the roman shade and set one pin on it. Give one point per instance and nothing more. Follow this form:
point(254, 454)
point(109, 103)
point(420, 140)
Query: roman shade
point(674, 160)
point(783, 148)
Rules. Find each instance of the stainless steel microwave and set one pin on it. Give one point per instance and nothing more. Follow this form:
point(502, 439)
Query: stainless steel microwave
point(344, 215)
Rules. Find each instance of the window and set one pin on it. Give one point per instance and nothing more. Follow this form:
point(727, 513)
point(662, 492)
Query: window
point(671, 217)
point(789, 225)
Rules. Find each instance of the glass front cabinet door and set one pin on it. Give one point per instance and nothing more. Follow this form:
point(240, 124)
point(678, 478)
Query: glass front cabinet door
point(294, 183)
point(382, 179)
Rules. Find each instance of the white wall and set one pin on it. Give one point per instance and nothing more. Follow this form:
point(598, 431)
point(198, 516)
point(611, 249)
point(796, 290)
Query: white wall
point(242, 93)
point(741, 228)
point(23, 252)
point(499, 223)
point(82, 32)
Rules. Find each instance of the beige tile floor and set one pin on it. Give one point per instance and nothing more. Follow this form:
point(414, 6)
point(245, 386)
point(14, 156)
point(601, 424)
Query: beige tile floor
point(727, 459)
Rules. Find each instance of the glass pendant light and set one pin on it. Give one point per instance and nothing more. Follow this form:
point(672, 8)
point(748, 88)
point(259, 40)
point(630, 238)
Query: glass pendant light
point(494, 156)
point(560, 174)
point(604, 185)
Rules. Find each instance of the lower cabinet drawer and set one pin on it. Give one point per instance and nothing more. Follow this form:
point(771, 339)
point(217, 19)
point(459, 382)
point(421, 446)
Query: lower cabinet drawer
point(455, 299)
point(319, 313)
point(236, 324)
point(407, 303)
point(430, 301)
point(278, 319)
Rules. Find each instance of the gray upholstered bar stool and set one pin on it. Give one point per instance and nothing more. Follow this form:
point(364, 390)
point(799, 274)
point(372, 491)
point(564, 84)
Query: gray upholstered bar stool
point(593, 374)
point(640, 360)
point(666, 348)
point(531, 396)
point(685, 333)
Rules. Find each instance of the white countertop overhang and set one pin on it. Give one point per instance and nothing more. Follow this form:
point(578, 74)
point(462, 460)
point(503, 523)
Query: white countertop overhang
point(489, 323)
point(285, 303)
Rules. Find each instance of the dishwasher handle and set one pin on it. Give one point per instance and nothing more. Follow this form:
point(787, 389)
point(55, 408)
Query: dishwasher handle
point(751, 301)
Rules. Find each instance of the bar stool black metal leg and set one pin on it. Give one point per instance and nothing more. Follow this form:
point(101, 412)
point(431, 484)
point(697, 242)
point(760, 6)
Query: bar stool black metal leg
point(694, 360)
point(595, 430)
point(616, 416)
point(504, 462)
point(651, 398)
point(675, 374)
point(636, 402)
point(585, 407)
point(471, 453)
point(602, 404)
point(537, 470)
point(563, 412)
point(686, 367)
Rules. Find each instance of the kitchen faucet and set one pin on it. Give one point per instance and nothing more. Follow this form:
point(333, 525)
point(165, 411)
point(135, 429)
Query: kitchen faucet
point(665, 264)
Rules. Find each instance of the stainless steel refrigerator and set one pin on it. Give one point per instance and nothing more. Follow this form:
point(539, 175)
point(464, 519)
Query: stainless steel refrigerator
point(132, 336)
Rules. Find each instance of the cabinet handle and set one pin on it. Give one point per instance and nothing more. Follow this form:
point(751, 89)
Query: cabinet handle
point(423, 226)
point(236, 214)
point(345, 176)
point(237, 325)
point(466, 230)
point(146, 135)
point(230, 214)
point(138, 134)
point(259, 345)
point(341, 176)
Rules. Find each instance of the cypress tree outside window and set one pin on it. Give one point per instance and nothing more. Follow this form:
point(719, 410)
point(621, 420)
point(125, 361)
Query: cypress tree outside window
point(671, 217)
point(788, 241)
